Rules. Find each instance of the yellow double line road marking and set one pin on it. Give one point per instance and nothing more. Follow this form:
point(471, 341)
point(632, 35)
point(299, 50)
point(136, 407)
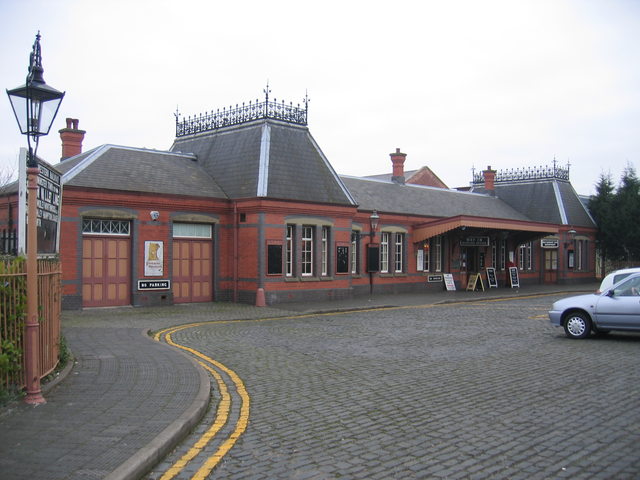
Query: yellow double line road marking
point(222, 412)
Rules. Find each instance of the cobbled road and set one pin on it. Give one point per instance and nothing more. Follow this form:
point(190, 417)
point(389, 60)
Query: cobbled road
point(461, 391)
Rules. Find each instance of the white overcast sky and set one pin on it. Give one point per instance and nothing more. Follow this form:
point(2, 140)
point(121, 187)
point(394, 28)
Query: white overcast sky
point(454, 84)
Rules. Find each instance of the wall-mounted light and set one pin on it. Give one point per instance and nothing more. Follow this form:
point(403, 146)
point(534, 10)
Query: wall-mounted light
point(572, 235)
point(373, 221)
point(154, 215)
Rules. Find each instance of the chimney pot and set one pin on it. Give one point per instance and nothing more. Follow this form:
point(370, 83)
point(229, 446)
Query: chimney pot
point(397, 159)
point(71, 138)
point(489, 179)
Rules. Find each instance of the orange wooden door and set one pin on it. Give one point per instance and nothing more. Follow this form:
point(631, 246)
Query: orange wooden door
point(106, 271)
point(192, 271)
point(550, 266)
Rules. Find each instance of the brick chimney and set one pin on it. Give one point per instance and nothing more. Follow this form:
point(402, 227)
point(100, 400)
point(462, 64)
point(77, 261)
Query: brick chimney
point(71, 139)
point(489, 179)
point(397, 159)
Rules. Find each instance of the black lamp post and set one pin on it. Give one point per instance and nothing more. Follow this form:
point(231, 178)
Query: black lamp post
point(35, 105)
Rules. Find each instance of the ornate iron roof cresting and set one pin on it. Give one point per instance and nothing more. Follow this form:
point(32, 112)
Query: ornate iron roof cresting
point(244, 113)
point(525, 174)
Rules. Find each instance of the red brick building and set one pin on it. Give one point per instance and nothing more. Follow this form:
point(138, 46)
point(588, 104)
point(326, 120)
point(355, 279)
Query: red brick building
point(245, 206)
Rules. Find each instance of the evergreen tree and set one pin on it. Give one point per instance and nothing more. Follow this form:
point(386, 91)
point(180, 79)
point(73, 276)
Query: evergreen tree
point(617, 214)
point(627, 213)
point(601, 208)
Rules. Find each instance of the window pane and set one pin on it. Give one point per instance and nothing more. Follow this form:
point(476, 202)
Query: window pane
point(307, 250)
point(289, 251)
point(194, 230)
point(384, 252)
point(105, 227)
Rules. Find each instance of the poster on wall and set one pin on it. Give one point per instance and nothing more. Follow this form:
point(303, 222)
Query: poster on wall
point(153, 255)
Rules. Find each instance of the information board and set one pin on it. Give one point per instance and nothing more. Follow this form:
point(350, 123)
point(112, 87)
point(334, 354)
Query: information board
point(448, 282)
point(513, 277)
point(492, 280)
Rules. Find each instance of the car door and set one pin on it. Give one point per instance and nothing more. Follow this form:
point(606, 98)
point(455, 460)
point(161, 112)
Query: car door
point(620, 307)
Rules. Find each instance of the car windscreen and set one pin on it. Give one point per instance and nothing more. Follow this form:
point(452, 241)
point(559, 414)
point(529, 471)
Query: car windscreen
point(622, 276)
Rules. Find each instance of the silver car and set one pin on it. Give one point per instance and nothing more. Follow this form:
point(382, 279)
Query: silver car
point(617, 308)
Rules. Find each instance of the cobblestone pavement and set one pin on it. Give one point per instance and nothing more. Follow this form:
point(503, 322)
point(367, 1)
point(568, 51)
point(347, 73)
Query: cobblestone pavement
point(465, 391)
point(123, 402)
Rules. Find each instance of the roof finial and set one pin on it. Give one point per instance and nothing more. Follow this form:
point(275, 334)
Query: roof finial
point(267, 91)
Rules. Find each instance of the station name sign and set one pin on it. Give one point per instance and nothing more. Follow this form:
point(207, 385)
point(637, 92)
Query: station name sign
point(475, 242)
point(549, 243)
point(154, 284)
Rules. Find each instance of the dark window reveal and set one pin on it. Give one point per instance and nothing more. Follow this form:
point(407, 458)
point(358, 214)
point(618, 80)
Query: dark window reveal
point(373, 257)
point(274, 253)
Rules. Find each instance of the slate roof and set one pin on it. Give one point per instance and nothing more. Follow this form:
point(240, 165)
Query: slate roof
point(423, 176)
point(545, 200)
point(410, 199)
point(115, 167)
point(266, 158)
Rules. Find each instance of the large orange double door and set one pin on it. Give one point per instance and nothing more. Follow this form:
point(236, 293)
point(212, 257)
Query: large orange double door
point(192, 271)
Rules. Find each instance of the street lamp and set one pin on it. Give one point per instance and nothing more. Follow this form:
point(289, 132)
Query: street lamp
point(373, 220)
point(35, 105)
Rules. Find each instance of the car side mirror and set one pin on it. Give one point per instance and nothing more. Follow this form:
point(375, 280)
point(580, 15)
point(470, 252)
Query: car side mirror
point(610, 293)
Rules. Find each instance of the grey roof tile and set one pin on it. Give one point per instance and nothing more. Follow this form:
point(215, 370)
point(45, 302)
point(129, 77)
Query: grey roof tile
point(538, 200)
point(138, 170)
point(427, 201)
point(297, 169)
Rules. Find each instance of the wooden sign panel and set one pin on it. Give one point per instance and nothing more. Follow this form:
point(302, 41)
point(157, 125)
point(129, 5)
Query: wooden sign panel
point(492, 280)
point(513, 277)
point(475, 282)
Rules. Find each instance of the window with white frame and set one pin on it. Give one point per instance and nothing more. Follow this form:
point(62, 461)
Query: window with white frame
point(289, 251)
point(191, 230)
point(355, 249)
point(426, 256)
point(503, 253)
point(524, 257)
point(96, 226)
point(306, 264)
point(581, 255)
point(437, 253)
point(384, 252)
point(324, 252)
point(398, 252)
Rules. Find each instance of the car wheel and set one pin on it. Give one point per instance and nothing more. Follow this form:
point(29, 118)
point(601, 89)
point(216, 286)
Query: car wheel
point(577, 325)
